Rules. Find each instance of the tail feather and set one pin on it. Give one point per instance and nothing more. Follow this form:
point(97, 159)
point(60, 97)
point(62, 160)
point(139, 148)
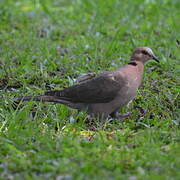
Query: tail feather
point(42, 98)
point(57, 93)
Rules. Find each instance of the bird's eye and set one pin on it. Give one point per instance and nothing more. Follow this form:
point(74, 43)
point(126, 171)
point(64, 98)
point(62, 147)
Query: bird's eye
point(145, 52)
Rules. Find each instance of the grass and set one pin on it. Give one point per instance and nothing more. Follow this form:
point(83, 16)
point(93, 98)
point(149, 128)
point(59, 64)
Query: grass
point(47, 45)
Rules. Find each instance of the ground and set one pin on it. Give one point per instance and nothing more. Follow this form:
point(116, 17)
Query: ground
point(47, 45)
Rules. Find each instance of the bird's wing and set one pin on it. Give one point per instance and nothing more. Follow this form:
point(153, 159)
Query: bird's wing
point(101, 89)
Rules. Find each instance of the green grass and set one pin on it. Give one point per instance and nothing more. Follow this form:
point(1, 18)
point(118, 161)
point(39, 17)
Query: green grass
point(46, 45)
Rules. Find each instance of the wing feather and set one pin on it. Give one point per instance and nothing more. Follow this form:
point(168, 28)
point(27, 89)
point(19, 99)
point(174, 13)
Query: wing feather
point(101, 89)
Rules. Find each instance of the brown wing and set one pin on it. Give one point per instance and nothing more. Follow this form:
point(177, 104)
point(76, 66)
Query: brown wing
point(101, 89)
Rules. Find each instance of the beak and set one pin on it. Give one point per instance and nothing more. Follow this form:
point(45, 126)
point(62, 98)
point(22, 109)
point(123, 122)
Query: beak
point(155, 58)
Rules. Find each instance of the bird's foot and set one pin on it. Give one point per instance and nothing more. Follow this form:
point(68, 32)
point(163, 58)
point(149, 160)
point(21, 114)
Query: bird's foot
point(117, 115)
point(124, 116)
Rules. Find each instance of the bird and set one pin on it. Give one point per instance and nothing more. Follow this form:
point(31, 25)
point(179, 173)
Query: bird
point(103, 95)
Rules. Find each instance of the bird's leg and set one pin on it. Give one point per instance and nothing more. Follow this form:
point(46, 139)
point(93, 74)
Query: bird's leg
point(89, 120)
point(127, 115)
point(116, 115)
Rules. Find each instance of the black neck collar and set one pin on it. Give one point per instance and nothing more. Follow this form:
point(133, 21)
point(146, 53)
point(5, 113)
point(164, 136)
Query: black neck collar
point(133, 63)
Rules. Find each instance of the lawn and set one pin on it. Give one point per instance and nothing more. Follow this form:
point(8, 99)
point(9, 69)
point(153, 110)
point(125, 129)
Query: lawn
point(47, 44)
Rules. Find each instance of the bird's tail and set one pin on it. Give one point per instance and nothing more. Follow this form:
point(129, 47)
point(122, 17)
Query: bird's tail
point(41, 98)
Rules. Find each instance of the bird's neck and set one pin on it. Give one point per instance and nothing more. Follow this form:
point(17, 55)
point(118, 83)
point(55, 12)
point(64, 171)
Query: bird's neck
point(136, 70)
point(138, 64)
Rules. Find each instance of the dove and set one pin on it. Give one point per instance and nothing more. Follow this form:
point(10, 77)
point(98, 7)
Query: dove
point(103, 95)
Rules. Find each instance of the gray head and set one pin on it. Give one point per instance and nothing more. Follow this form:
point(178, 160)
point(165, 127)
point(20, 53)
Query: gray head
point(143, 54)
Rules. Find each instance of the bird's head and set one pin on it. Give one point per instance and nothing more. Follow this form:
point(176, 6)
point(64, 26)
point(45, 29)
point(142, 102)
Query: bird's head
point(143, 54)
